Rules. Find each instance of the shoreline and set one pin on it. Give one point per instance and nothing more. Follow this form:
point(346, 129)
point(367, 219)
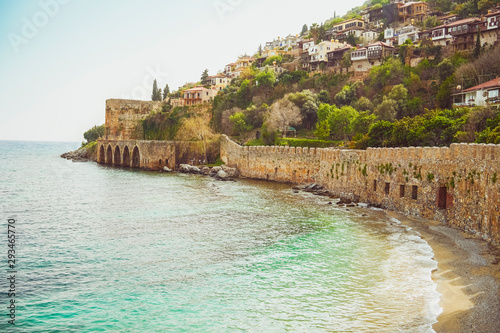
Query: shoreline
point(467, 277)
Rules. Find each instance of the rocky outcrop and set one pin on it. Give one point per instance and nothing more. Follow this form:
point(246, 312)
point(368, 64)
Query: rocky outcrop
point(218, 172)
point(83, 154)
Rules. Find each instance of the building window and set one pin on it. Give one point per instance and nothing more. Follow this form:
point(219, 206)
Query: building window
point(387, 188)
point(401, 191)
point(414, 192)
point(442, 197)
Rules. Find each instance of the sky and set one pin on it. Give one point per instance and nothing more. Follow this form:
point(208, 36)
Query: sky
point(60, 60)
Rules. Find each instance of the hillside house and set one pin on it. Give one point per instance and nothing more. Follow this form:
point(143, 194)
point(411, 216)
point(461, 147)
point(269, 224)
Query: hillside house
point(413, 12)
point(399, 35)
point(318, 54)
point(198, 95)
point(218, 82)
point(487, 93)
point(349, 27)
point(491, 36)
point(388, 14)
point(335, 56)
point(365, 58)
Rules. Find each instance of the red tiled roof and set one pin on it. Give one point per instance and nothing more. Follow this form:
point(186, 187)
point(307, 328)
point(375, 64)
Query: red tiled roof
point(459, 22)
point(487, 85)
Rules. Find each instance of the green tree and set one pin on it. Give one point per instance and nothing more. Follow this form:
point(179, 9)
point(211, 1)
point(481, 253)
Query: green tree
point(341, 122)
point(304, 29)
point(166, 91)
point(362, 123)
point(346, 96)
point(431, 22)
point(325, 111)
point(477, 48)
point(323, 130)
point(387, 110)
point(94, 133)
point(156, 94)
point(443, 96)
point(266, 78)
point(399, 94)
point(239, 121)
point(271, 60)
point(380, 133)
point(204, 77)
point(363, 104)
point(244, 94)
point(324, 97)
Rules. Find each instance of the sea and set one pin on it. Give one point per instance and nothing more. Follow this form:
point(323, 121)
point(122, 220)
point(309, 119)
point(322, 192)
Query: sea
point(103, 249)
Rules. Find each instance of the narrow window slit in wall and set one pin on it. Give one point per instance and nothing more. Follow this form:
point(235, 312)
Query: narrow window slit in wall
point(442, 197)
point(401, 191)
point(414, 192)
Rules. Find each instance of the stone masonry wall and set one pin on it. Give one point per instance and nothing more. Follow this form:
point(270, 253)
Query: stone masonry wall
point(123, 116)
point(459, 185)
point(149, 155)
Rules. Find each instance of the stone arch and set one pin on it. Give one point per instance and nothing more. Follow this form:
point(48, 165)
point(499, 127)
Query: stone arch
point(117, 160)
point(109, 155)
point(126, 157)
point(136, 158)
point(102, 157)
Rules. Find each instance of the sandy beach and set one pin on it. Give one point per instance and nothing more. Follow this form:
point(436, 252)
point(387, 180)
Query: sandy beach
point(468, 277)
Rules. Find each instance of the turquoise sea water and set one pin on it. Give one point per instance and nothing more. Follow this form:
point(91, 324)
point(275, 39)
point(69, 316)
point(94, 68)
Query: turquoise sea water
point(100, 249)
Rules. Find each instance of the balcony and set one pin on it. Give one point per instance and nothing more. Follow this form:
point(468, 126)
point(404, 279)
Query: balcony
point(493, 100)
point(374, 54)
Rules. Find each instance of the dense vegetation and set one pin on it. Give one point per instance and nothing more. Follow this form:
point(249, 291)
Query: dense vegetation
point(395, 105)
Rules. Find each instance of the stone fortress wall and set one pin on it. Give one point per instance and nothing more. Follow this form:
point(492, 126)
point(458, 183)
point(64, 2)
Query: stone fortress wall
point(123, 116)
point(459, 185)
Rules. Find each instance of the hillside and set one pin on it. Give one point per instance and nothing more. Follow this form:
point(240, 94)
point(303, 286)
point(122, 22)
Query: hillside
point(390, 91)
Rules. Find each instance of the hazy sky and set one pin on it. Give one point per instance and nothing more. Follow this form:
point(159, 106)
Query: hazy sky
point(61, 60)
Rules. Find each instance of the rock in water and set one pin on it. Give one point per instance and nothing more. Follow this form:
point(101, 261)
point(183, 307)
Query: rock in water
point(186, 168)
point(167, 169)
point(222, 175)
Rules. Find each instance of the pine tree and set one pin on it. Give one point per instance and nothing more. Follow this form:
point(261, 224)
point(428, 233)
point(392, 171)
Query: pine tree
point(260, 50)
point(204, 76)
point(304, 29)
point(477, 49)
point(156, 95)
point(166, 91)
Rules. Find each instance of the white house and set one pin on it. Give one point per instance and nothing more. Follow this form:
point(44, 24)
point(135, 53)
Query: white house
point(481, 95)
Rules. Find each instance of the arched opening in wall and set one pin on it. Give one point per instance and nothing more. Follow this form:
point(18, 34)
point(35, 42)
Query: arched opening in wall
point(126, 157)
point(109, 155)
point(118, 158)
point(159, 162)
point(136, 158)
point(102, 157)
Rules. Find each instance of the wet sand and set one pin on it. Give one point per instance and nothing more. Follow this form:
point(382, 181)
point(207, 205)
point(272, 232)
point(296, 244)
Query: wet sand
point(468, 277)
